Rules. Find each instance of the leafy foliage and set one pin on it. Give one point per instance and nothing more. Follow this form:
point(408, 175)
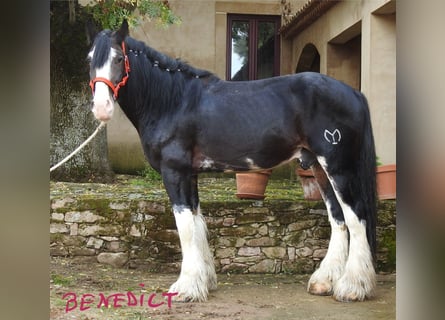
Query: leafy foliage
point(68, 45)
point(110, 14)
point(150, 174)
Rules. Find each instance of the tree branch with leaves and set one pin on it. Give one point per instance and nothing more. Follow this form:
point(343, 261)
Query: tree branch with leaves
point(109, 14)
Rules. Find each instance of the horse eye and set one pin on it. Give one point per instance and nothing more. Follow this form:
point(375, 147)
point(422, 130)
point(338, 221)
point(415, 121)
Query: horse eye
point(119, 59)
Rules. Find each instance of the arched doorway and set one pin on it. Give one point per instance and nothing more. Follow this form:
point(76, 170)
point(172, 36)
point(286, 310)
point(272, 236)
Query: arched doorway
point(309, 59)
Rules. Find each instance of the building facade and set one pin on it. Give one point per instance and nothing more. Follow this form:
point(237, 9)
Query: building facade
point(353, 41)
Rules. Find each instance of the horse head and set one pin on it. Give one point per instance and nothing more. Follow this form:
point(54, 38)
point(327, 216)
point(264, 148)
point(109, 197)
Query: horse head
point(109, 70)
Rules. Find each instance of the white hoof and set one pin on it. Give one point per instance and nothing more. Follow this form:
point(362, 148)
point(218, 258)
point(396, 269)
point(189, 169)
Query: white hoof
point(188, 293)
point(322, 280)
point(351, 287)
point(193, 289)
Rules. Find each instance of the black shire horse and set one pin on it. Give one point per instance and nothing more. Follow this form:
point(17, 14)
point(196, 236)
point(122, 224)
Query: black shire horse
point(190, 121)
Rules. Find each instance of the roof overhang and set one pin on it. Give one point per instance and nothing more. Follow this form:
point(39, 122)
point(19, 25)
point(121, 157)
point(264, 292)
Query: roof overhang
point(305, 16)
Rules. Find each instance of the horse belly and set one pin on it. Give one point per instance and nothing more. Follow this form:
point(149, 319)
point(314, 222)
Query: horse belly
point(247, 161)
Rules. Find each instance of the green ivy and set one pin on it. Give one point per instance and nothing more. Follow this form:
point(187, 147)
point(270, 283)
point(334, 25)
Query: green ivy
point(378, 162)
point(110, 14)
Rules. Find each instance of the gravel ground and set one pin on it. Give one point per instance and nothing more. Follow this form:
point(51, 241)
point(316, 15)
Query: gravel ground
point(76, 285)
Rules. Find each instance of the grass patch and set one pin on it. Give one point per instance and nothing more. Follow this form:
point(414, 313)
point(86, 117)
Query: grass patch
point(61, 280)
point(150, 174)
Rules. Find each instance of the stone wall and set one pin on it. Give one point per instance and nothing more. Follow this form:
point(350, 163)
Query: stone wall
point(245, 237)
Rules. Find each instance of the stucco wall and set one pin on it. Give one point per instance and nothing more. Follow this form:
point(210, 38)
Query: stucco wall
point(201, 40)
point(372, 70)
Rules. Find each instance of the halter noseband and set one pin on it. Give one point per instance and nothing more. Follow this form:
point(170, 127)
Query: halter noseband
point(124, 80)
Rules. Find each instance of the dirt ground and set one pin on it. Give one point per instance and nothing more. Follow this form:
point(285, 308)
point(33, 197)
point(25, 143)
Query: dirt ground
point(80, 285)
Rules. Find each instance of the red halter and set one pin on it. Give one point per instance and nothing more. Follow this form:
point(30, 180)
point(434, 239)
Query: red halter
point(114, 88)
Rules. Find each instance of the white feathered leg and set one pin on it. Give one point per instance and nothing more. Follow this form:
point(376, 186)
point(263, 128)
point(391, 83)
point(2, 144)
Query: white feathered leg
point(359, 279)
point(198, 274)
point(323, 280)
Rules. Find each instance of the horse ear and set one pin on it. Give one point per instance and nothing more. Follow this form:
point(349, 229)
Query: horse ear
point(123, 31)
point(91, 31)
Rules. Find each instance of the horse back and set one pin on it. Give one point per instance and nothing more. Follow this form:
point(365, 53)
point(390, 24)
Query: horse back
point(268, 121)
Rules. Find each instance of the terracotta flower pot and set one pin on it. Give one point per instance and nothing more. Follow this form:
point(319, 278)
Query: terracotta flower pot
point(386, 181)
point(252, 185)
point(385, 175)
point(309, 185)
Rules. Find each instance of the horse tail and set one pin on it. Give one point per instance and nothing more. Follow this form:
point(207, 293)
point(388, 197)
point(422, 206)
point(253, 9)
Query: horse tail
point(366, 173)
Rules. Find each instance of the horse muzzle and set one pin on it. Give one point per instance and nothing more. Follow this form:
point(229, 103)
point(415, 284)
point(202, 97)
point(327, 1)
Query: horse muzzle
point(103, 109)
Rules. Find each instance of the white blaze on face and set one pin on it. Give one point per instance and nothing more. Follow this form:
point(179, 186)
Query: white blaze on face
point(103, 101)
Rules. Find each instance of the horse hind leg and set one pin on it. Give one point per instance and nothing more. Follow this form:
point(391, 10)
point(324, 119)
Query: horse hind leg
point(324, 279)
point(358, 279)
point(198, 274)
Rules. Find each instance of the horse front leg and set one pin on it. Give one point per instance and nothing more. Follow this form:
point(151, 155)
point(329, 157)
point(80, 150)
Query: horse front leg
point(198, 274)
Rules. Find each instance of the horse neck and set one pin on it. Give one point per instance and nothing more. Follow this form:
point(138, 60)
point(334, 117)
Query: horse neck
point(157, 83)
point(155, 92)
point(147, 100)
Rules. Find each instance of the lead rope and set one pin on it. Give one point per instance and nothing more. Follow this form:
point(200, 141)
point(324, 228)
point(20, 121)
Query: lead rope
point(101, 125)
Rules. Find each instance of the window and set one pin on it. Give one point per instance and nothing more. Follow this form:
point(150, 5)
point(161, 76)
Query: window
point(253, 50)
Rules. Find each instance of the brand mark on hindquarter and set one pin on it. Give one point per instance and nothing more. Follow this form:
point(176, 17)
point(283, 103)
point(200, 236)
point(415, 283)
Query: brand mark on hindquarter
point(332, 137)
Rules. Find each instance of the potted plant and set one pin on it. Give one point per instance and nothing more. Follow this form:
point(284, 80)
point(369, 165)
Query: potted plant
point(309, 184)
point(386, 181)
point(252, 185)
